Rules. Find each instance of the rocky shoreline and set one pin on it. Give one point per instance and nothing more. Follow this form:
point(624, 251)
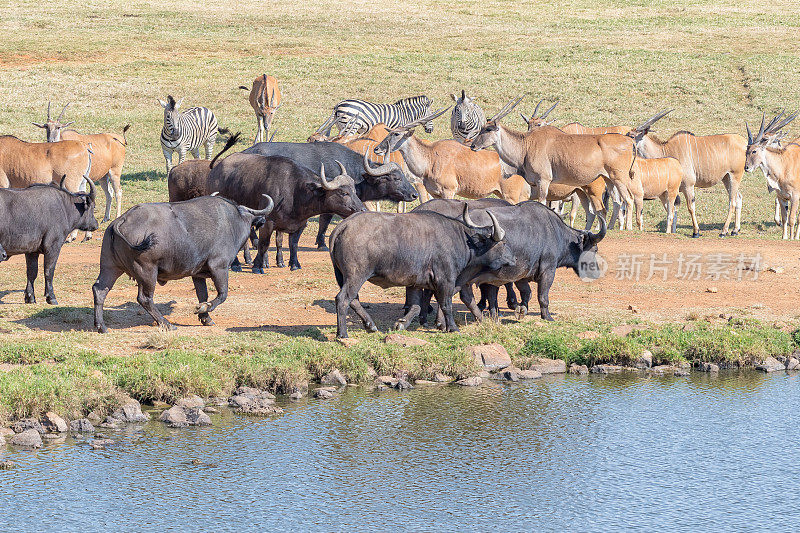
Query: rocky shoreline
point(491, 362)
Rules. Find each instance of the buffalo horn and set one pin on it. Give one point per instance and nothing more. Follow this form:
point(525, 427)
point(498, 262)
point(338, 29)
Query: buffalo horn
point(595, 238)
point(261, 212)
point(498, 233)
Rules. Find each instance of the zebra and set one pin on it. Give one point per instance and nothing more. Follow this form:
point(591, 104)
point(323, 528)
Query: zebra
point(185, 132)
point(359, 116)
point(467, 118)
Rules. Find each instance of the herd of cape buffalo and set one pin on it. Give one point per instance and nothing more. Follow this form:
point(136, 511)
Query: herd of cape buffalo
point(216, 209)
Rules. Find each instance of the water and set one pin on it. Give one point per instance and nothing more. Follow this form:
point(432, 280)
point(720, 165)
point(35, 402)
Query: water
point(587, 453)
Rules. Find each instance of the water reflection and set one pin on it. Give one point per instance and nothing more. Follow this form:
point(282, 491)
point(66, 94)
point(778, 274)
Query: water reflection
point(594, 453)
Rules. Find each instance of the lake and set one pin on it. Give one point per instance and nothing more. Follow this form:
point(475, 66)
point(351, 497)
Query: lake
point(586, 453)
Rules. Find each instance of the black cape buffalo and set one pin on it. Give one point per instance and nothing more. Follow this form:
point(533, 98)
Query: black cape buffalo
point(299, 194)
point(37, 220)
point(541, 242)
point(422, 250)
point(159, 242)
point(384, 182)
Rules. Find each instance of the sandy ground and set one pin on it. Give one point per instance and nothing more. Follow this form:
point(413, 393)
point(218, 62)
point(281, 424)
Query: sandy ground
point(286, 301)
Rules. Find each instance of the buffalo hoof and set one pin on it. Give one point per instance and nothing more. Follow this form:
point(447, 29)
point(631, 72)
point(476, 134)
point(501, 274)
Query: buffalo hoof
point(454, 329)
point(520, 312)
point(167, 326)
point(101, 329)
point(235, 267)
point(30, 299)
point(51, 300)
point(546, 316)
point(202, 308)
point(280, 264)
point(400, 325)
point(372, 328)
point(295, 267)
point(322, 248)
point(695, 235)
point(258, 270)
point(206, 321)
point(105, 219)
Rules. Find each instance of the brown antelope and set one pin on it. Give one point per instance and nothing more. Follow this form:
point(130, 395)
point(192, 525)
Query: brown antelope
point(109, 155)
point(547, 154)
point(534, 122)
point(589, 197)
point(705, 160)
point(23, 164)
point(449, 168)
point(781, 166)
point(656, 178)
point(265, 97)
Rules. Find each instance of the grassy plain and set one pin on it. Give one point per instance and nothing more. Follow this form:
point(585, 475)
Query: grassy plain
point(717, 63)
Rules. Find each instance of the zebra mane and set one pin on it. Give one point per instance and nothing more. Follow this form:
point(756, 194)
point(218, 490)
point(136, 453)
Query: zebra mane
point(170, 102)
point(422, 99)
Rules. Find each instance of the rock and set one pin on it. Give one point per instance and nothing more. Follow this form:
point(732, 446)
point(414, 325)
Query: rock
point(530, 373)
point(549, 366)
point(53, 422)
point(474, 381)
point(94, 417)
point(622, 330)
point(29, 438)
point(702, 366)
point(776, 269)
point(424, 382)
point(211, 410)
point(53, 436)
point(484, 374)
point(197, 417)
point(296, 395)
point(6, 432)
point(322, 394)
point(334, 377)
point(250, 391)
point(404, 340)
point(606, 369)
point(403, 385)
point(347, 342)
point(253, 401)
point(508, 374)
point(792, 364)
point(27, 423)
point(442, 378)
point(216, 400)
point(380, 385)
point(371, 372)
point(131, 411)
point(680, 372)
point(645, 360)
point(175, 417)
point(110, 423)
point(389, 381)
point(82, 425)
point(633, 308)
point(712, 290)
point(588, 335)
point(191, 401)
point(2, 440)
point(6, 465)
point(100, 444)
point(490, 356)
point(670, 370)
point(770, 365)
point(580, 370)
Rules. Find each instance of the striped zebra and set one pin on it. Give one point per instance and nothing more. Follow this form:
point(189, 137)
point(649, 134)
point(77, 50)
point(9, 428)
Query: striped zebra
point(187, 131)
point(359, 116)
point(467, 118)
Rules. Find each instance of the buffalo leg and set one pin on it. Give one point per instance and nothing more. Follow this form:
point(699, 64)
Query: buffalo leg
point(369, 324)
point(411, 308)
point(468, 299)
point(444, 295)
point(279, 249)
point(492, 292)
point(294, 242)
point(347, 293)
point(147, 287)
point(324, 222)
point(511, 296)
point(108, 276)
point(483, 301)
point(543, 292)
point(425, 306)
point(201, 289)
point(261, 262)
point(525, 296)
point(50, 260)
point(32, 270)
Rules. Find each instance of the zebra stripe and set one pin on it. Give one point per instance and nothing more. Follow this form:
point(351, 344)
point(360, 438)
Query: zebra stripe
point(361, 116)
point(187, 131)
point(466, 120)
